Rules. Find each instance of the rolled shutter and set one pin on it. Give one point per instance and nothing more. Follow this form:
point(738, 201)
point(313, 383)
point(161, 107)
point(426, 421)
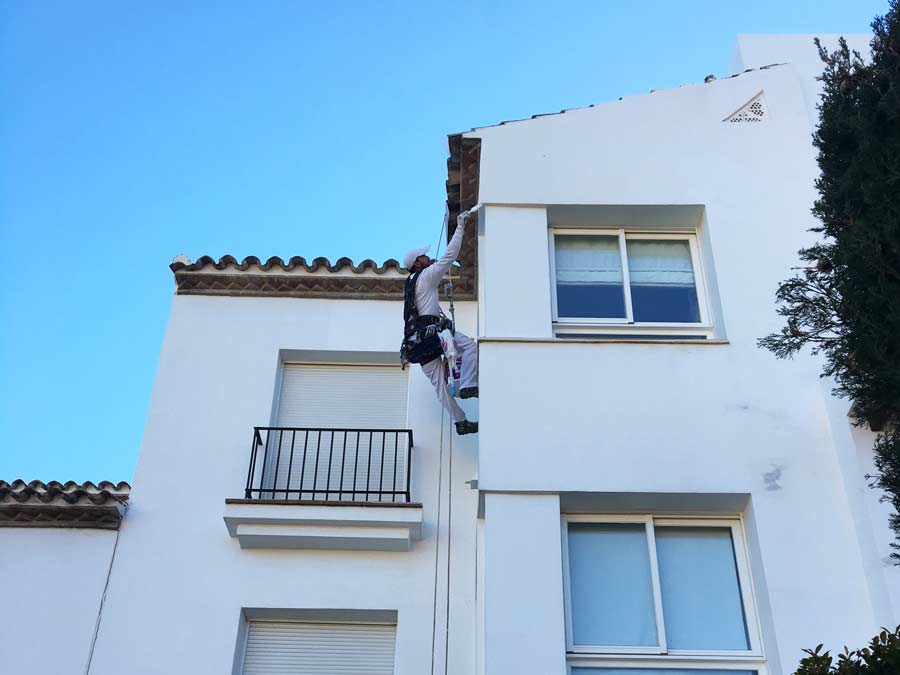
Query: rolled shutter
point(370, 397)
point(299, 648)
point(340, 397)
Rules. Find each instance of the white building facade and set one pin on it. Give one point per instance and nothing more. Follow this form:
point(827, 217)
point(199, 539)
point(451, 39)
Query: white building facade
point(649, 494)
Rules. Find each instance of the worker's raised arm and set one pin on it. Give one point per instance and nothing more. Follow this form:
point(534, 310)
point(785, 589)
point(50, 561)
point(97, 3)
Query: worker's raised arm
point(433, 274)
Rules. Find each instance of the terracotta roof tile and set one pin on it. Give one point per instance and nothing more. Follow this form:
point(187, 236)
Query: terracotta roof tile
point(69, 504)
point(296, 262)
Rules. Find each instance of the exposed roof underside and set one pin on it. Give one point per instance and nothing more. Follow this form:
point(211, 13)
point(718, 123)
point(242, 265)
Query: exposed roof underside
point(463, 170)
point(65, 505)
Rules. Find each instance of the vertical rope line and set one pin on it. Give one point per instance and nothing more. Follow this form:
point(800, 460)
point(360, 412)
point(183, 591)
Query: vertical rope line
point(437, 542)
point(112, 558)
point(449, 535)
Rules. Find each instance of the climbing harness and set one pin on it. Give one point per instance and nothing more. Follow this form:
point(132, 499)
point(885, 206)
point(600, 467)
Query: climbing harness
point(421, 332)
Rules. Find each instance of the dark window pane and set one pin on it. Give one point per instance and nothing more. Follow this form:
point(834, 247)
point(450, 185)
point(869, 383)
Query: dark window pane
point(670, 304)
point(662, 281)
point(587, 301)
point(589, 277)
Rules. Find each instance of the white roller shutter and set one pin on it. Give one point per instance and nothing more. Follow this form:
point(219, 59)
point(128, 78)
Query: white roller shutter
point(370, 397)
point(341, 397)
point(275, 647)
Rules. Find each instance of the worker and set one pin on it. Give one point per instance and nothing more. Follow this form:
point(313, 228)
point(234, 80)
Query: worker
point(424, 320)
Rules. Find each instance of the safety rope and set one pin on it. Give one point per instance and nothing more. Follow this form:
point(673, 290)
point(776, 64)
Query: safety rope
point(440, 498)
point(437, 542)
point(112, 559)
point(449, 549)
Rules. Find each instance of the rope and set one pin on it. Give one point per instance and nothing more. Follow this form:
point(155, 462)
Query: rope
point(449, 501)
point(437, 541)
point(446, 220)
point(112, 558)
point(449, 534)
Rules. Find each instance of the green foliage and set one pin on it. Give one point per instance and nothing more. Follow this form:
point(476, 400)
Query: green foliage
point(881, 657)
point(845, 301)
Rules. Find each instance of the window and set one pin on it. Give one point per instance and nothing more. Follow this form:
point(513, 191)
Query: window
point(305, 648)
point(334, 396)
point(648, 595)
point(610, 277)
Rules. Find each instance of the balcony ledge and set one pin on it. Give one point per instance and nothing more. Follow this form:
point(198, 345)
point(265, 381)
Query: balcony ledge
point(307, 524)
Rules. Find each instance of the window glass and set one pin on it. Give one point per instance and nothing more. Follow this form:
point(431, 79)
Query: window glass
point(589, 277)
point(611, 588)
point(701, 596)
point(658, 671)
point(662, 281)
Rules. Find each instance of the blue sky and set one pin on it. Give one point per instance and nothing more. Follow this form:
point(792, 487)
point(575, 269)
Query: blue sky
point(135, 131)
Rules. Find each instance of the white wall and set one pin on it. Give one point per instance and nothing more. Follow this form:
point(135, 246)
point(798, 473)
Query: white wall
point(564, 417)
point(523, 593)
point(799, 51)
point(180, 582)
point(51, 581)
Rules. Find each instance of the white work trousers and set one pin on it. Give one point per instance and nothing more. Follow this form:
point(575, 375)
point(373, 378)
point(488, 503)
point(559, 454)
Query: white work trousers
point(468, 374)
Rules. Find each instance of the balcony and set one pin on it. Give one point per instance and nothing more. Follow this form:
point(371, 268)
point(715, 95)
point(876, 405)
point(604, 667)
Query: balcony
point(327, 488)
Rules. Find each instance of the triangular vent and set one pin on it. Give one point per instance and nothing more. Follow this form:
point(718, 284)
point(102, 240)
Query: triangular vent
point(754, 110)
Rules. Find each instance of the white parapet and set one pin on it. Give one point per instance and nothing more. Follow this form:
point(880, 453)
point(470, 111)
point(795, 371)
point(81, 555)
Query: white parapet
point(311, 525)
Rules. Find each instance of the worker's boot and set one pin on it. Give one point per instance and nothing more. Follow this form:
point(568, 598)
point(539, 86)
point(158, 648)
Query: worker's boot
point(464, 427)
point(468, 392)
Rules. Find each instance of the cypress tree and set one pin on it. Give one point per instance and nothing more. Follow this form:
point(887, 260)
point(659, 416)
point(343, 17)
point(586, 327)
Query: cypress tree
point(845, 301)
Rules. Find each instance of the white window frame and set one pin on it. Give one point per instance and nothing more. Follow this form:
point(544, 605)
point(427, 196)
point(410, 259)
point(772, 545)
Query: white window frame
point(627, 324)
point(660, 656)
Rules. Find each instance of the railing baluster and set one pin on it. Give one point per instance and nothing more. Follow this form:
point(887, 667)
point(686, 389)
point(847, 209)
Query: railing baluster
point(369, 466)
point(355, 462)
point(316, 471)
point(409, 444)
point(287, 484)
point(303, 465)
point(381, 484)
point(265, 462)
point(277, 464)
point(394, 484)
point(328, 477)
point(253, 447)
point(343, 461)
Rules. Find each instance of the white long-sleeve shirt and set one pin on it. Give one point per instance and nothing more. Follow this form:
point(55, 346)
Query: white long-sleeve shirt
point(427, 301)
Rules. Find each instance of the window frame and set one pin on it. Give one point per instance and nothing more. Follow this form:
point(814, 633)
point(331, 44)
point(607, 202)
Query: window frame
point(660, 656)
point(617, 324)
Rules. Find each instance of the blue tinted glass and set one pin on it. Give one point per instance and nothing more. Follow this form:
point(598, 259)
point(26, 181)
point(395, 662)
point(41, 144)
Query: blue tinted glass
point(701, 596)
point(599, 301)
point(669, 304)
point(589, 277)
point(658, 671)
point(662, 282)
point(610, 585)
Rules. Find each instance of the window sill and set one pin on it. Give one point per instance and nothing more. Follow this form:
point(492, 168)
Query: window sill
point(608, 339)
point(296, 524)
point(717, 657)
point(662, 662)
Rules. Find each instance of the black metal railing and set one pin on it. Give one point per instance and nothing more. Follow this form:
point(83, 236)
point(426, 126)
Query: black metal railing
point(348, 465)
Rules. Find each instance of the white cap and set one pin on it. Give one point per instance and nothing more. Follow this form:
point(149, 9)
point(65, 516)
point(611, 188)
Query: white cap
point(410, 258)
